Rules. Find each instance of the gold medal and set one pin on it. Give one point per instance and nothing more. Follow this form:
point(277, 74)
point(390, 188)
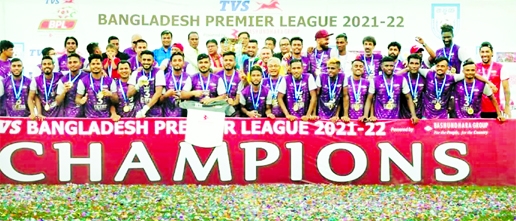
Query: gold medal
point(100, 95)
point(437, 106)
point(275, 102)
point(16, 106)
point(296, 107)
point(18, 102)
point(415, 100)
point(127, 108)
point(470, 111)
point(390, 105)
point(47, 107)
point(356, 106)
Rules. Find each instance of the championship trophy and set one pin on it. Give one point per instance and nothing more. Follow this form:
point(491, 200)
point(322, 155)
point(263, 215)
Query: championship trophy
point(235, 45)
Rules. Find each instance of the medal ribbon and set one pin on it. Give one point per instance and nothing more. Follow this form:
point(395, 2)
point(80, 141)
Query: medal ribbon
point(177, 85)
point(150, 74)
point(332, 91)
point(438, 92)
point(413, 88)
point(390, 91)
point(488, 71)
point(92, 84)
point(75, 78)
point(47, 93)
point(356, 92)
point(17, 92)
point(228, 84)
point(370, 66)
point(469, 95)
point(320, 60)
point(123, 91)
point(274, 89)
point(448, 56)
point(256, 102)
point(297, 90)
point(205, 86)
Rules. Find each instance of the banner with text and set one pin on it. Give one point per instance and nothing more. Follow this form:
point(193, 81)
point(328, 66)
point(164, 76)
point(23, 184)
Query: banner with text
point(152, 151)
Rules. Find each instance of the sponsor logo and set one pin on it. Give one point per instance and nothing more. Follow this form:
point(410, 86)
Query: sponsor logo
point(65, 17)
point(445, 14)
point(246, 5)
point(273, 4)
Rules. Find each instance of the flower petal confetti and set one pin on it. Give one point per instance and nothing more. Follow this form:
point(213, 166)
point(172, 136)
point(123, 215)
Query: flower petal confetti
point(256, 202)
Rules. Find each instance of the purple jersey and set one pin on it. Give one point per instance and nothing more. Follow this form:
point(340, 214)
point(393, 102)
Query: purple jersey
point(258, 97)
point(272, 86)
point(248, 63)
point(230, 82)
point(129, 51)
point(357, 90)
point(431, 109)
point(5, 68)
point(125, 101)
point(387, 106)
point(95, 106)
point(208, 84)
point(16, 93)
point(371, 64)
point(62, 61)
point(147, 92)
point(297, 89)
point(330, 96)
point(70, 108)
point(417, 86)
point(318, 60)
point(307, 64)
point(468, 96)
point(452, 53)
point(48, 99)
point(171, 105)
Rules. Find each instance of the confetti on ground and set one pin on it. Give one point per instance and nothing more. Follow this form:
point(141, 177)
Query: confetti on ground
point(256, 202)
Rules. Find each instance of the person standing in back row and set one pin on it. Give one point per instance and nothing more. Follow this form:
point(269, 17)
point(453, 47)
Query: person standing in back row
point(492, 71)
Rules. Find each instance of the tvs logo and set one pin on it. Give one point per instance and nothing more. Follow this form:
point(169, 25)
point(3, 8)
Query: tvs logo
point(243, 5)
point(273, 4)
point(65, 17)
point(445, 14)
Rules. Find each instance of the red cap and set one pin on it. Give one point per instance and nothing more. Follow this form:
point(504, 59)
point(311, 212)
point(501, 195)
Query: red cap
point(322, 34)
point(179, 46)
point(415, 49)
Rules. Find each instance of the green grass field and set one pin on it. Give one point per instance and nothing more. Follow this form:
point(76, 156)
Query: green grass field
point(256, 202)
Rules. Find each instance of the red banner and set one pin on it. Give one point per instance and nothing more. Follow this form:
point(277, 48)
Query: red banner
point(137, 151)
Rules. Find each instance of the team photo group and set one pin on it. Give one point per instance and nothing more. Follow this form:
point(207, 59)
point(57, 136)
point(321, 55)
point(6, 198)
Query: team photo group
point(258, 80)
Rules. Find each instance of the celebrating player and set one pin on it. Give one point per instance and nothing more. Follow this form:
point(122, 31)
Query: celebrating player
point(175, 81)
point(206, 87)
point(386, 101)
point(96, 92)
point(355, 92)
point(300, 92)
point(492, 71)
point(126, 106)
point(45, 86)
point(14, 90)
point(67, 88)
point(371, 60)
point(416, 83)
point(329, 89)
point(256, 99)
point(148, 84)
point(232, 80)
point(468, 94)
point(272, 83)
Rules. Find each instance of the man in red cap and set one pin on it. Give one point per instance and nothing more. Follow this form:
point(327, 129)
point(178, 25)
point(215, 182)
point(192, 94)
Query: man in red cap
point(321, 54)
point(419, 50)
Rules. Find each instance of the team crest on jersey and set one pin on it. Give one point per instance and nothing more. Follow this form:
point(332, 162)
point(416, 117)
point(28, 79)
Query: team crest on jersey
point(445, 14)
